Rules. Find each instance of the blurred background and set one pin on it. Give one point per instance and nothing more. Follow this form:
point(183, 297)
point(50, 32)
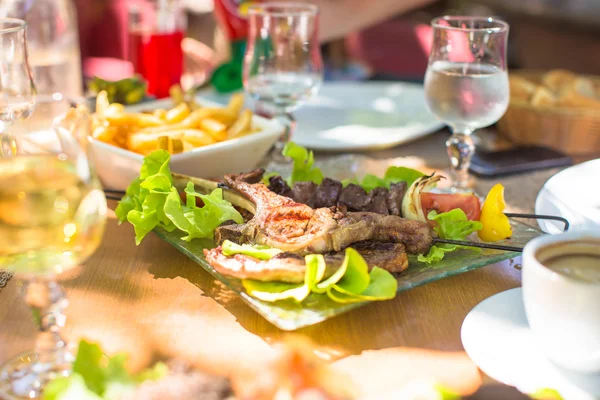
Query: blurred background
point(361, 40)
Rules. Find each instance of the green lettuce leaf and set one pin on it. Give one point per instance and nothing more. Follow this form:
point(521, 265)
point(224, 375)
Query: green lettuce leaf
point(382, 286)
point(356, 278)
point(152, 201)
point(453, 224)
point(305, 171)
point(257, 251)
point(399, 174)
point(350, 283)
point(199, 222)
point(303, 161)
point(98, 377)
point(275, 291)
point(392, 175)
point(69, 388)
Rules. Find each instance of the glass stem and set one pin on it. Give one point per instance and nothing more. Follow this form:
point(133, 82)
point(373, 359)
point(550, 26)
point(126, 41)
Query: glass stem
point(289, 125)
point(47, 301)
point(8, 144)
point(461, 148)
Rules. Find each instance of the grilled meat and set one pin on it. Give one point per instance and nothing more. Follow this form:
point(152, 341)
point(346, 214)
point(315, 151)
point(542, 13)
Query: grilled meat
point(287, 267)
point(330, 193)
point(297, 228)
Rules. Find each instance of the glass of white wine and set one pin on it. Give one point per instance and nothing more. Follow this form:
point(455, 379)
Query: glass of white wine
point(52, 218)
point(466, 83)
point(283, 65)
point(17, 90)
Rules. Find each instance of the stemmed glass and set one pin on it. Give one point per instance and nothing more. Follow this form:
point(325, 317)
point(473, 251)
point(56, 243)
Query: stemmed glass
point(283, 66)
point(466, 83)
point(52, 218)
point(17, 90)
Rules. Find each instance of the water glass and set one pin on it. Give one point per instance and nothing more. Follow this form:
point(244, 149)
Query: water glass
point(17, 90)
point(283, 66)
point(466, 83)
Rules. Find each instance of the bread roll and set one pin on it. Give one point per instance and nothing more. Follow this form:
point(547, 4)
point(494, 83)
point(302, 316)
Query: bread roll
point(556, 79)
point(521, 88)
point(543, 97)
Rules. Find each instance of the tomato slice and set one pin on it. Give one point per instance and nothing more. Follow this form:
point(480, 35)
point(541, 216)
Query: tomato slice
point(443, 202)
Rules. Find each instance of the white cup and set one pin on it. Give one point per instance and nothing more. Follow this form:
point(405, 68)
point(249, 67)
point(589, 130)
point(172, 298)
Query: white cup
point(563, 312)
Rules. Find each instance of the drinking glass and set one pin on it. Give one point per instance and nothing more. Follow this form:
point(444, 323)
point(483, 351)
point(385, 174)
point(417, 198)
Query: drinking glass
point(283, 67)
point(52, 218)
point(466, 83)
point(17, 91)
point(156, 30)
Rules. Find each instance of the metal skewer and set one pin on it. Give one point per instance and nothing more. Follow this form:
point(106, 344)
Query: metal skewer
point(480, 245)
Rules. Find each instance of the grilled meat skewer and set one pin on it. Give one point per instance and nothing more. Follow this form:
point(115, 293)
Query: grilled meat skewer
point(287, 267)
point(282, 223)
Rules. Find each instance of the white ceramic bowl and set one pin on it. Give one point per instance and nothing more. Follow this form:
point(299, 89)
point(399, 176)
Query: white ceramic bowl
point(117, 167)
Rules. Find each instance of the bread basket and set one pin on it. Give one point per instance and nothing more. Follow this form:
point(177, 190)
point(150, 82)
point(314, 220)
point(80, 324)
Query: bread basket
point(571, 128)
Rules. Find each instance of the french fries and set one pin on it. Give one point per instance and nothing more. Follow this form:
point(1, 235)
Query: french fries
point(183, 127)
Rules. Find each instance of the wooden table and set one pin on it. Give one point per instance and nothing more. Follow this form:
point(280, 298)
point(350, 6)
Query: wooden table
point(152, 301)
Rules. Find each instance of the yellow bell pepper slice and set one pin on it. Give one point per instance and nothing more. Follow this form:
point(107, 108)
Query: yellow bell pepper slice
point(495, 225)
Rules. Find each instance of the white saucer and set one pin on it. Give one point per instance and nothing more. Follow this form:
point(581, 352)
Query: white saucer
point(496, 336)
point(351, 116)
point(574, 194)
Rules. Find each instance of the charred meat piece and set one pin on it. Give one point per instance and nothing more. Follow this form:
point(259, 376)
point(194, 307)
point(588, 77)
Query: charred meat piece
point(287, 267)
point(278, 185)
point(354, 197)
point(395, 197)
point(415, 235)
point(328, 193)
point(282, 223)
point(379, 201)
point(304, 192)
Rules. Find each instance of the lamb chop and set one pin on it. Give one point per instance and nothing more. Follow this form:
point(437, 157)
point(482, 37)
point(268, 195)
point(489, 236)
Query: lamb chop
point(287, 267)
point(282, 223)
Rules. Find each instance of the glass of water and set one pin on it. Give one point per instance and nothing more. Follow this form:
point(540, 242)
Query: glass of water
point(466, 83)
point(17, 91)
point(283, 67)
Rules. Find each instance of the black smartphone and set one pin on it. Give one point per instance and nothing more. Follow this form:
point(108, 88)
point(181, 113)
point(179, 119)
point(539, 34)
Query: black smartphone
point(517, 160)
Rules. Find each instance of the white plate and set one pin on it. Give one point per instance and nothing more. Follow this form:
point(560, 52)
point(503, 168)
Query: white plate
point(496, 336)
point(574, 194)
point(350, 116)
point(117, 167)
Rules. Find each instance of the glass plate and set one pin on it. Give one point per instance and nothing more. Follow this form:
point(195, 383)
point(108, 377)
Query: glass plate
point(289, 315)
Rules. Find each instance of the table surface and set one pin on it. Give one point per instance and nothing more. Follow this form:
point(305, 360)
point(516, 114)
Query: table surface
point(154, 302)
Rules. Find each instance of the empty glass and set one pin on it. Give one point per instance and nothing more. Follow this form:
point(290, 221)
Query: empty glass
point(466, 83)
point(52, 218)
point(17, 91)
point(283, 67)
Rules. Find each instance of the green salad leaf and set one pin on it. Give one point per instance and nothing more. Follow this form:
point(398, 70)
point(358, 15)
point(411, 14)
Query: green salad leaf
point(152, 201)
point(351, 283)
point(453, 225)
point(304, 170)
point(303, 161)
point(253, 250)
point(97, 377)
point(274, 291)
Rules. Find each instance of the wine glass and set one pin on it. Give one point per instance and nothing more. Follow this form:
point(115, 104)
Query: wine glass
point(466, 83)
point(17, 90)
point(52, 218)
point(283, 66)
